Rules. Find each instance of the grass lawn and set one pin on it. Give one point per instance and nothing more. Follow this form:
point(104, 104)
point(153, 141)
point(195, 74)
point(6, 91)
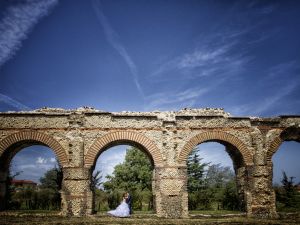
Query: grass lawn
point(214, 212)
point(42, 218)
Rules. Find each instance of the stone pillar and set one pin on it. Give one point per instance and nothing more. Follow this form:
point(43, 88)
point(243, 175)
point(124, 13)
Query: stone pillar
point(263, 197)
point(76, 193)
point(241, 185)
point(170, 192)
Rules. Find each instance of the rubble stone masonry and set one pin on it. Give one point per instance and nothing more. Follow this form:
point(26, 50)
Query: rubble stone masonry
point(79, 136)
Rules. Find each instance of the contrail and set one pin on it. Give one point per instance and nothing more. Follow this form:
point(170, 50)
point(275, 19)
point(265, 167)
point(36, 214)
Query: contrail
point(14, 103)
point(18, 20)
point(112, 38)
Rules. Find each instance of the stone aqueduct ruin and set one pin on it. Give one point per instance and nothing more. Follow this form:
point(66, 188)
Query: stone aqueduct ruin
point(79, 136)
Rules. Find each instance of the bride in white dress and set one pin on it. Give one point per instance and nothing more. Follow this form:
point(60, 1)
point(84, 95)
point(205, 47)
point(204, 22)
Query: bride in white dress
point(122, 210)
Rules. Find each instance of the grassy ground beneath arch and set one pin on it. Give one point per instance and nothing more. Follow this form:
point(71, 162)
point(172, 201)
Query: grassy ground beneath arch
point(47, 218)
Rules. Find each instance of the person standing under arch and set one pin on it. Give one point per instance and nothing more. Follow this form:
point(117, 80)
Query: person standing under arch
point(129, 202)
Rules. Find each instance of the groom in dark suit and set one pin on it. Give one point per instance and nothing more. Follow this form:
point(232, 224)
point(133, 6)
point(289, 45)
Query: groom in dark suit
point(129, 202)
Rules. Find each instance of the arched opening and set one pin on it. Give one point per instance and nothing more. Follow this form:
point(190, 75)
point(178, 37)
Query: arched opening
point(120, 167)
point(286, 171)
point(31, 177)
point(215, 178)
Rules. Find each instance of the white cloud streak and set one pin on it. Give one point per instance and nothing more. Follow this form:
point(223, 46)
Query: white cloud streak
point(18, 20)
point(205, 62)
point(112, 37)
point(264, 105)
point(220, 54)
point(282, 73)
point(12, 102)
point(171, 100)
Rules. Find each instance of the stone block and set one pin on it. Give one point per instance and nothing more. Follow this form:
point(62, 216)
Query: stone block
point(76, 173)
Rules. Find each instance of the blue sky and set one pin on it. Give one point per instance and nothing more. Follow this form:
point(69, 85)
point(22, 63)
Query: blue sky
point(142, 55)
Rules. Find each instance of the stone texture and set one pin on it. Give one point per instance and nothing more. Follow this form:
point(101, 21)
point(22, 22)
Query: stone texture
point(79, 136)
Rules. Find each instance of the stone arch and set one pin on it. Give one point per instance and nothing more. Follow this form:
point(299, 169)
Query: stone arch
point(288, 134)
point(35, 136)
point(215, 136)
point(120, 136)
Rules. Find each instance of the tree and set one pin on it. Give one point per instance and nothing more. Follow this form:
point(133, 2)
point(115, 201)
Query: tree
point(195, 171)
point(287, 194)
point(221, 181)
point(198, 195)
point(9, 201)
point(210, 186)
point(230, 199)
point(133, 175)
point(52, 179)
point(96, 180)
point(218, 176)
point(50, 187)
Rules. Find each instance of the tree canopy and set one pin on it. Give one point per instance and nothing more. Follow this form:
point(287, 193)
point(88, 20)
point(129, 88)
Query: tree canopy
point(135, 173)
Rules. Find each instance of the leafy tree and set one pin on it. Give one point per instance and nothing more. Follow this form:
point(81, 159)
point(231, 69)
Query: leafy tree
point(52, 179)
point(133, 175)
point(220, 181)
point(230, 199)
point(50, 187)
point(210, 186)
point(101, 200)
point(218, 176)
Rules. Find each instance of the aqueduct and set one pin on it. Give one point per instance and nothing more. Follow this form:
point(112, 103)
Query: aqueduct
point(78, 137)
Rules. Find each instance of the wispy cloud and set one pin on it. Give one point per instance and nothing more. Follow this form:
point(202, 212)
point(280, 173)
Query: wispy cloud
point(284, 69)
point(278, 77)
point(222, 54)
point(17, 21)
point(13, 103)
point(174, 100)
point(217, 55)
point(113, 38)
point(264, 105)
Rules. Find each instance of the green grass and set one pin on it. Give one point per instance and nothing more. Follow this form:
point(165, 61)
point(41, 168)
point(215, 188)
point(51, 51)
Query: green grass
point(106, 220)
point(27, 211)
point(214, 212)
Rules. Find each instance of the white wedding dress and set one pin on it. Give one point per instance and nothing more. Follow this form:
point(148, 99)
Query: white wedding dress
point(121, 211)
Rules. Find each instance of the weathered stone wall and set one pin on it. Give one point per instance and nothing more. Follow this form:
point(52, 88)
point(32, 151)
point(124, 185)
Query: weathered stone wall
point(79, 136)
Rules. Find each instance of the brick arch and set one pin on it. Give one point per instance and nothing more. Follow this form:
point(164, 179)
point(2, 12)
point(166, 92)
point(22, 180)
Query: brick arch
point(283, 136)
point(215, 136)
point(119, 136)
point(273, 148)
point(38, 137)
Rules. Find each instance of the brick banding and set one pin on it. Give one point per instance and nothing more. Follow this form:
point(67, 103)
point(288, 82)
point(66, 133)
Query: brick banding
point(273, 149)
point(38, 137)
point(215, 136)
point(122, 136)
